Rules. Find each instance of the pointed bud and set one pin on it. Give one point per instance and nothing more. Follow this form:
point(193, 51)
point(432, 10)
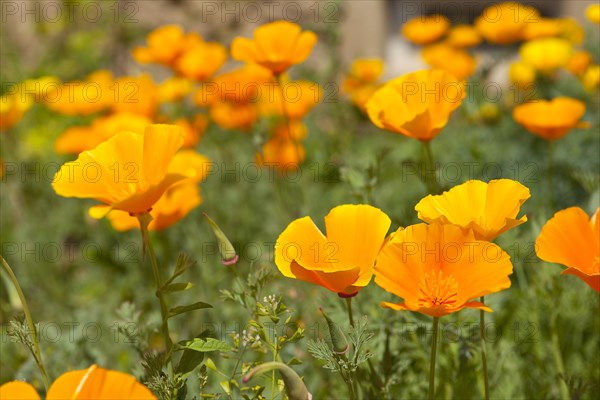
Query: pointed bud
point(294, 386)
point(338, 339)
point(228, 255)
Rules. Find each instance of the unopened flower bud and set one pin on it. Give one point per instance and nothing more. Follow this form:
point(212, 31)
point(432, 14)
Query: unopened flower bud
point(228, 255)
point(338, 339)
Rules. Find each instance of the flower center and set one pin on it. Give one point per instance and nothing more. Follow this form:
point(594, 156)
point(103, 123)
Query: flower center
point(435, 290)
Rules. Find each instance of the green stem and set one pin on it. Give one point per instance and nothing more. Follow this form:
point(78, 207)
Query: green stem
point(550, 176)
point(428, 172)
point(145, 220)
point(486, 384)
point(37, 354)
point(349, 307)
point(556, 353)
point(434, 335)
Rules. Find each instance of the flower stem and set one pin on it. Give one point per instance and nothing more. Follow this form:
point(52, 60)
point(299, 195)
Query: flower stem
point(349, 307)
point(434, 335)
point(486, 384)
point(145, 220)
point(37, 354)
point(550, 176)
point(428, 172)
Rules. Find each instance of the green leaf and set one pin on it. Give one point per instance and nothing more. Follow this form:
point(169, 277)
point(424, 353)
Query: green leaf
point(176, 287)
point(190, 307)
point(207, 344)
point(294, 361)
point(189, 360)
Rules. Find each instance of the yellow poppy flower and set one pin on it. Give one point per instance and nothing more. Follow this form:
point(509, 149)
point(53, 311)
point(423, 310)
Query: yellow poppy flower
point(504, 23)
point(128, 172)
point(591, 78)
point(93, 383)
point(80, 138)
point(547, 55)
point(418, 104)
point(489, 209)
point(12, 109)
point(343, 259)
point(521, 74)
point(579, 62)
point(457, 62)
point(276, 46)
point(439, 269)
point(592, 13)
point(550, 120)
point(423, 30)
point(201, 61)
point(363, 71)
point(463, 36)
point(572, 30)
point(572, 239)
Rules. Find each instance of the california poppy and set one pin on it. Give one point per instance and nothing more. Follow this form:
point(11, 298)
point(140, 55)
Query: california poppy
point(572, 238)
point(282, 153)
point(164, 45)
point(437, 56)
point(542, 28)
point(521, 74)
point(343, 259)
point(548, 54)
point(423, 30)
point(489, 209)
point(463, 36)
point(438, 269)
point(201, 61)
point(417, 105)
point(592, 13)
point(277, 46)
point(93, 383)
point(550, 120)
point(128, 172)
point(504, 23)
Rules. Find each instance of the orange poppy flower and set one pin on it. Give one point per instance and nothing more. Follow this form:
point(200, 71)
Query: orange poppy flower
point(276, 46)
point(299, 97)
point(293, 129)
point(572, 239)
point(550, 120)
point(94, 94)
point(542, 28)
point(241, 85)
point(504, 23)
point(341, 261)
point(283, 154)
point(579, 62)
point(425, 29)
point(230, 115)
point(128, 172)
point(174, 89)
point(417, 105)
point(439, 269)
point(437, 55)
point(164, 45)
point(90, 384)
point(592, 13)
point(12, 109)
point(137, 95)
point(489, 209)
point(201, 61)
point(177, 202)
point(547, 55)
point(463, 36)
point(81, 138)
